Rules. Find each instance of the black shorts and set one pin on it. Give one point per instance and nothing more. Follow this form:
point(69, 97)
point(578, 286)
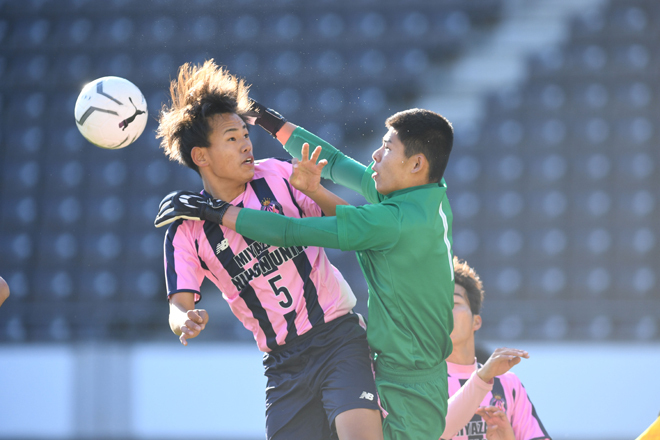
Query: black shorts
point(317, 376)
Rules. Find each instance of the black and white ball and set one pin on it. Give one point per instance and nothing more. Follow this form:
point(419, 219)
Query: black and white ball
point(111, 112)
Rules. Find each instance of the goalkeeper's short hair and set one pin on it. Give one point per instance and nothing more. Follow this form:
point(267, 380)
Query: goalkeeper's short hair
point(426, 132)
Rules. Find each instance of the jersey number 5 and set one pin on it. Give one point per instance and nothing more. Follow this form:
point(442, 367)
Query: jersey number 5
point(278, 290)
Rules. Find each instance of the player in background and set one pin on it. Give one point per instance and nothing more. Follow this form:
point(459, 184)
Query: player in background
point(403, 244)
point(505, 407)
point(320, 383)
point(4, 291)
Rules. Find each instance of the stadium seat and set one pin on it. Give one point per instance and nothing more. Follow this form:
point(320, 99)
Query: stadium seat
point(21, 283)
point(147, 285)
point(58, 249)
point(14, 329)
point(18, 213)
point(466, 242)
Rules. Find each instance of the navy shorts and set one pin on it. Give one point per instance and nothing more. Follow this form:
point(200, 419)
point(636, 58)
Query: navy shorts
point(317, 376)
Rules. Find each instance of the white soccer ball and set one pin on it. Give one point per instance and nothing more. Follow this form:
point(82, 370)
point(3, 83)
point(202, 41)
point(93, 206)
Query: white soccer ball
point(111, 112)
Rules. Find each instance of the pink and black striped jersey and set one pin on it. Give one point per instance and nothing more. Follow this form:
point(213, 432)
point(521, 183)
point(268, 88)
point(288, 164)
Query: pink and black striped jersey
point(508, 394)
point(278, 293)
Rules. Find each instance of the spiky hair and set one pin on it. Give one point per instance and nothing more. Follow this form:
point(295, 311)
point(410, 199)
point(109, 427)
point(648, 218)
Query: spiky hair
point(198, 93)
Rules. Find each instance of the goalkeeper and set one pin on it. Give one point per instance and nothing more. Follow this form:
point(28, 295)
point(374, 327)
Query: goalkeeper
point(403, 243)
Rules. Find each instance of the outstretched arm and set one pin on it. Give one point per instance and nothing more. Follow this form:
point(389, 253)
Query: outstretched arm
point(374, 227)
point(341, 169)
point(283, 231)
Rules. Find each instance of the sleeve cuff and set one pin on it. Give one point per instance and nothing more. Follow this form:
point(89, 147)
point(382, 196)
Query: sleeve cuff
point(479, 382)
point(198, 295)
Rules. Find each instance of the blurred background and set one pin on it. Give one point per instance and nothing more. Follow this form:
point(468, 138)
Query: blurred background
point(551, 101)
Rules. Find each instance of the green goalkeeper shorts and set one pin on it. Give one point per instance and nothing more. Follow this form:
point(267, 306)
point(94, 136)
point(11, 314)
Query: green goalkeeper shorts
point(415, 402)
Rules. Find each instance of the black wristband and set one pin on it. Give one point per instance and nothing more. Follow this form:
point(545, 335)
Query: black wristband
point(214, 215)
point(268, 119)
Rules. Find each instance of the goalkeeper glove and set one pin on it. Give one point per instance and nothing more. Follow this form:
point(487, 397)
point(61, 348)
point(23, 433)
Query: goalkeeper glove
point(267, 118)
point(189, 205)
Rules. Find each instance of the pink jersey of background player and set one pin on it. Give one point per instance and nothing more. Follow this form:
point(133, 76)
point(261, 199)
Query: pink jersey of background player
point(509, 395)
point(277, 293)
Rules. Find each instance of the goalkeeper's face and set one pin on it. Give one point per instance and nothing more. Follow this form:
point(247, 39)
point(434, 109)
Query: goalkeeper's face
point(391, 170)
point(228, 159)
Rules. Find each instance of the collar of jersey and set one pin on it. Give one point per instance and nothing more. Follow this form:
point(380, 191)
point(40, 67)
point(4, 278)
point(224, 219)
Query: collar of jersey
point(399, 192)
point(233, 202)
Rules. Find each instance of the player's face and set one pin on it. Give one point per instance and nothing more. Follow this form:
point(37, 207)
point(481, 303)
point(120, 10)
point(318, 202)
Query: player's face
point(229, 157)
point(391, 168)
point(465, 323)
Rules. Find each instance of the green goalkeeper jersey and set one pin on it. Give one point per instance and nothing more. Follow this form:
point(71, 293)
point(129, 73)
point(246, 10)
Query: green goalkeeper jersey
point(404, 247)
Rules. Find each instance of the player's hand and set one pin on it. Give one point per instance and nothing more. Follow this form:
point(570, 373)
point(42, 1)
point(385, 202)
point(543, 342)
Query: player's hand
point(306, 175)
point(501, 361)
point(266, 118)
point(194, 324)
point(498, 426)
point(189, 205)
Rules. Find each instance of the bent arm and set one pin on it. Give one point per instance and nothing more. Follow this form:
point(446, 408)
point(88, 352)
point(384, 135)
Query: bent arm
point(180, 303)
point(327, 200)
point(341, 169)
point(463, 404)
point(186, 321)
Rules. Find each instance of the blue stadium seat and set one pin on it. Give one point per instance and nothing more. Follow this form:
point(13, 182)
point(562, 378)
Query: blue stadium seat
point(18, 249)
point(146, 247)
point(548, 170)
point(18, 213)
point(66, 177)
point(102, 250)
point(107, 175)
point(108, 210)
point(58, 249)
point(55, 284)
point(548, 243)
point(64, 212)
point(20, 282)
point(146, 285)
point(14, 329)
point(21, 176)
point(101, 283)
point(547, 206)
point(466, 242)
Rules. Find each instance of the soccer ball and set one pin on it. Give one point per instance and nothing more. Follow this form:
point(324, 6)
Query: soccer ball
point(111, 112)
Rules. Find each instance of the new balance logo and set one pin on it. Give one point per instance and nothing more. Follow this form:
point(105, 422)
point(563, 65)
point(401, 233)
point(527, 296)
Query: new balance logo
point(368, 396)
point(224, 244)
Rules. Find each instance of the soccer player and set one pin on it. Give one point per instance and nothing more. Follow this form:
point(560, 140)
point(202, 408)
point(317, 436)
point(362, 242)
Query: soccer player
point(403, 244)
point(320, 382)
point(505, 402)
point(4, 291)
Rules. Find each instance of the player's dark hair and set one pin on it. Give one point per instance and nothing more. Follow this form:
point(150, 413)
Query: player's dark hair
point(467, 278)
point(425, 132)
point(198, 93)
